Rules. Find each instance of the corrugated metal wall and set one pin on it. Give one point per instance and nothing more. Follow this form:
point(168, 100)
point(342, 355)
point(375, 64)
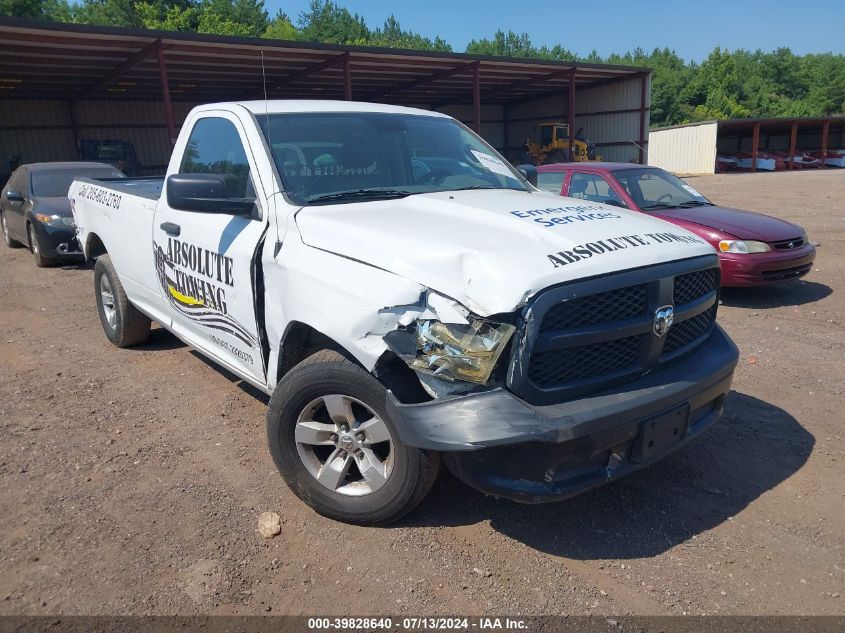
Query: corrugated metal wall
point(608, 114)
point(36, 131)
point(684, 150)
point(492, 117)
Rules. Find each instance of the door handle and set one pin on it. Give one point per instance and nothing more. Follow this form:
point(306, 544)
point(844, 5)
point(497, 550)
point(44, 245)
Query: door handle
point(171, 229)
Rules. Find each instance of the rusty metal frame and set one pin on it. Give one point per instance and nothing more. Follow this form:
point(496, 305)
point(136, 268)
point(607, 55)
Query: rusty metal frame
point(165, 96)
point(116, 73)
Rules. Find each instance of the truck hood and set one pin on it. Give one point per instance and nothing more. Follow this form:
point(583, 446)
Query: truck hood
point(745, 225)
point(493, 249)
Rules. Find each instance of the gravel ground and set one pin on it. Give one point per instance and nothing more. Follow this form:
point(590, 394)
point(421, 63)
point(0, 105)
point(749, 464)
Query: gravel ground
point(132, 480)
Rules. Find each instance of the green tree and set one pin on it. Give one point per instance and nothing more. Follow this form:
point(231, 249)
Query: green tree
point(392, 35)
point(513, 44)
point(281, 28)
point(28, 9)
point(246, 18)
point(107, 13)
point(327, 22)
point(168, 16)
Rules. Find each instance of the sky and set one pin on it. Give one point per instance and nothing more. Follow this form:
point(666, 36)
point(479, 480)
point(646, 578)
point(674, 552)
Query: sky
point(693, 29)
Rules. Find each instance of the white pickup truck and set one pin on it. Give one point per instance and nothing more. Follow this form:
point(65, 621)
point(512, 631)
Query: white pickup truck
point(407, 297)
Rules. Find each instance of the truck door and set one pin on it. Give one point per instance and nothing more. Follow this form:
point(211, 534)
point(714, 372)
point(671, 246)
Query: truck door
point(207, 263)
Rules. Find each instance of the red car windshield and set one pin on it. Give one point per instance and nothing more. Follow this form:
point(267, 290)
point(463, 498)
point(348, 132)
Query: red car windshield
point(652, 188)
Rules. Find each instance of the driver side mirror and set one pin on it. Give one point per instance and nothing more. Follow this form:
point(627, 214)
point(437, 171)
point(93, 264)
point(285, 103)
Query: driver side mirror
point(529, 172)
point(14, 196)
point(205, 193)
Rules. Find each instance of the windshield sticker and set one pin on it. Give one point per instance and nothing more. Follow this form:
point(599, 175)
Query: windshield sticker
point(611, 244)
point(194, 280)
point(554, 216)
point(492, 163)
point(692, 191)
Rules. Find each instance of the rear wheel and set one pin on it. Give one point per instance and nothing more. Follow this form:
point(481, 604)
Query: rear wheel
point(336, 447)
point(10, 242)
point(40, 260)
point(122, 322)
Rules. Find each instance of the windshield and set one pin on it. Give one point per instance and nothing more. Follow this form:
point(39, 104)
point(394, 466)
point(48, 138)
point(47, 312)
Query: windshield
point(54, 184)
point(657, 189)
point(332, 157)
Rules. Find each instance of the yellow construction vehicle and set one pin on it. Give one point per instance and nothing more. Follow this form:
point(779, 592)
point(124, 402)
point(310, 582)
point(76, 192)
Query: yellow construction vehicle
point(551, 145)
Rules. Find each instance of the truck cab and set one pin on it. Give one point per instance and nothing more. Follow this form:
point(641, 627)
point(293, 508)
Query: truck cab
point(407, 298)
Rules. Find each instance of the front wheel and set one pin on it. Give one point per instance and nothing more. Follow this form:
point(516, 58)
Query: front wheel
point(336, 447)
point(40, 260)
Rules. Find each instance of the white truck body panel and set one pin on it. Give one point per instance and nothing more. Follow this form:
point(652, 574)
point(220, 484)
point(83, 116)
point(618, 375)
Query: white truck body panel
point(351, 271)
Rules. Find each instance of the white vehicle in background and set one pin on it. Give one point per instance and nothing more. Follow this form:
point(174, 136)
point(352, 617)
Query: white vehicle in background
point(407, 298)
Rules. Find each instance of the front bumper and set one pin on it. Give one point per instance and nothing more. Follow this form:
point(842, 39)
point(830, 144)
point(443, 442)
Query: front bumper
point(754, 269)
point(506, 447)
point(57, 242)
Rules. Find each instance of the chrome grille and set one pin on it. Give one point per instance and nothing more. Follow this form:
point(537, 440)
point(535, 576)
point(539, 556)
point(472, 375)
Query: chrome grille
point(788, 245)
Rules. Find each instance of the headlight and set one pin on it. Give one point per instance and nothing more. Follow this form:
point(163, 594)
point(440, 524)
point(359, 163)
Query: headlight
point(54, 220)
point(460, 352)
point(743, 246)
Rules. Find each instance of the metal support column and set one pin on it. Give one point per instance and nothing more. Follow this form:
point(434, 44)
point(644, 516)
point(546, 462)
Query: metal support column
point(643, 123)
point(825, 133)
point(505, 130)
point(570, 113)
point(347, 79)
point(476, 97)
point(793, 142)
point(74, 124)
point(755, 146)
point(165, 95)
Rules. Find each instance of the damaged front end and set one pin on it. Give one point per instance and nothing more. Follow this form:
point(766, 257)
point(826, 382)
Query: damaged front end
point(506, 440)
point(451, 350)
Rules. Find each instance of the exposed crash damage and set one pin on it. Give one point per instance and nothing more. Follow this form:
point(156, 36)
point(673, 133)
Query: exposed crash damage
point(407, 297)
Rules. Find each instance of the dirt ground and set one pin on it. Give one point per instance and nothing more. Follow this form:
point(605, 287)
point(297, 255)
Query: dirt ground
point(132, 480)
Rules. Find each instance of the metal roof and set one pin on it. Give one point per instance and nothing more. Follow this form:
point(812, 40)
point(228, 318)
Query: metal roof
point(750, 122)
point(75, 62)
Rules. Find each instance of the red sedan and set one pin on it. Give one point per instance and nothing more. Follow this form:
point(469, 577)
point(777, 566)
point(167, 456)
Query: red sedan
point(753, 248)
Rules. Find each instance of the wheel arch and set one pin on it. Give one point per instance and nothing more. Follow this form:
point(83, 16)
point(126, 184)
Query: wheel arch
point(94, 247)
point(301, 340)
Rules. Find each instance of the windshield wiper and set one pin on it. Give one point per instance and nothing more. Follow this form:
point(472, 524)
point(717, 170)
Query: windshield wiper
point(658, 205)
point(471, 187)
point(696, 203)
point(361, 194)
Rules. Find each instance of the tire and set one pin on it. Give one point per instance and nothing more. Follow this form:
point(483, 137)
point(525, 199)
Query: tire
point(122, 322)
point(302, 395)
point(10, 242)
point(35, 249)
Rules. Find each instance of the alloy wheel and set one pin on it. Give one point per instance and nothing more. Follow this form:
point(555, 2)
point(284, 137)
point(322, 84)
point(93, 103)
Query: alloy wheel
point(107, 299)
point(344, 445)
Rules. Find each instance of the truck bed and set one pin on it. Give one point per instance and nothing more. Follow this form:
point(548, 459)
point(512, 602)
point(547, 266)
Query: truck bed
point(148, 187)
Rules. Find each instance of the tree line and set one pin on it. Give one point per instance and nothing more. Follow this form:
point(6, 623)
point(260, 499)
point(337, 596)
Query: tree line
point(727, 84)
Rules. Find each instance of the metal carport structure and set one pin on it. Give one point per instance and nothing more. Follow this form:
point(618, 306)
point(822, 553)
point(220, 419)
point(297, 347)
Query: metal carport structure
point(691, 148)
point(61, 82)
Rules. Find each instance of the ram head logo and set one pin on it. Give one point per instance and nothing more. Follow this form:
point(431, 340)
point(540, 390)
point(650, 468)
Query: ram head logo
point(663, 319)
